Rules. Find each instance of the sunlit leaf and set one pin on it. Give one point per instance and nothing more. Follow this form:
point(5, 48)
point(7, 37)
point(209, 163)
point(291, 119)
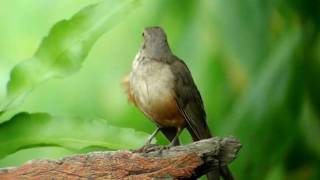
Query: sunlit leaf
point(62, 52)
point(40, 129)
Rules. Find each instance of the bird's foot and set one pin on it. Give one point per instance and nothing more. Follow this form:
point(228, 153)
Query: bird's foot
point(148, 148)
point(167, 147)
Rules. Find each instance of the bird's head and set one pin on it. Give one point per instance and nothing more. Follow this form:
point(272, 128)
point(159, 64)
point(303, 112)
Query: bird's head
point(155, 40)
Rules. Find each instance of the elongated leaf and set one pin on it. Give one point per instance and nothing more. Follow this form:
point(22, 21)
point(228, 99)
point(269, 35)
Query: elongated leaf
point(31, 130)
point(265, 119)
point(62, 52)
point(310, 127)
point(312, 63)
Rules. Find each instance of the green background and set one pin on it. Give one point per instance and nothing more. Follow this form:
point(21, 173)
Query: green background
point(256, 64)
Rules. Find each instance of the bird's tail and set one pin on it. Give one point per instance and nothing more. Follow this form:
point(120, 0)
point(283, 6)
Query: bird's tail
point(223, 171)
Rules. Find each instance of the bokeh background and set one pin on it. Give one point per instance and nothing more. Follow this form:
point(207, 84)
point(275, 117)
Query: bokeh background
point(256, 64)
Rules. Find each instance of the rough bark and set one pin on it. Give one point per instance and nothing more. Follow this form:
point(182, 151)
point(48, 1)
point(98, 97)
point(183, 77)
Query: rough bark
point(180, 162)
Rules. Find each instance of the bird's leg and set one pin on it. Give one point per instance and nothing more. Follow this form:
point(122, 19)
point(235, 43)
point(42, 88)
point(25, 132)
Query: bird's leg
point(148, 147)
point(176, 138)
point(152, 136)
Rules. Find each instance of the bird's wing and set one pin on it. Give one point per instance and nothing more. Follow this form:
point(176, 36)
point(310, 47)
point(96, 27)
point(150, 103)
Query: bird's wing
point(189, 101)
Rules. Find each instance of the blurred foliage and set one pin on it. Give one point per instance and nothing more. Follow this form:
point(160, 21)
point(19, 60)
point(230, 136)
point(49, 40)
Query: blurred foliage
point(256, 63)
point(64, 49)
point(40, 129)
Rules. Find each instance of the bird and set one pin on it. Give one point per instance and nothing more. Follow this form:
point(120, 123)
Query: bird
point(161, 85)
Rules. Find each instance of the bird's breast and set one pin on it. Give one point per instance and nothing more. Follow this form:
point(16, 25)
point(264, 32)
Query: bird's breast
point(152, 82)
point(152, 85)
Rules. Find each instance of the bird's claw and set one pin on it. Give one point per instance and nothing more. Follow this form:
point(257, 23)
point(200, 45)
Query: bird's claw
point(147, 148)
point(152, 147)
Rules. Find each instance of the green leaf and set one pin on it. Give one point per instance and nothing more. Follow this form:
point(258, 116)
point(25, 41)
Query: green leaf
point(62, 52)
point(25, 155)
point(312, 63)
point(40, 129)
point(310, 127)
point(265, 118)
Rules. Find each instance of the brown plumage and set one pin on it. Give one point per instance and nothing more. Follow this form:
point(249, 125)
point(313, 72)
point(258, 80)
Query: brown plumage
point(161, 86)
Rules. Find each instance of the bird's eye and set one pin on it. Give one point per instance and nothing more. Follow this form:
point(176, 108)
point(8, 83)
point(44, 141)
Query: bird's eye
point(143, 34)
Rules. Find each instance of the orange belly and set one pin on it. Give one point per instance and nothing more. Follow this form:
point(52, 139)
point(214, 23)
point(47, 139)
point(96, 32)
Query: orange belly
point(166, 114)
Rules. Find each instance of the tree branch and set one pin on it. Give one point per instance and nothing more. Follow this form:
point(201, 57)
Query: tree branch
point(179, 162)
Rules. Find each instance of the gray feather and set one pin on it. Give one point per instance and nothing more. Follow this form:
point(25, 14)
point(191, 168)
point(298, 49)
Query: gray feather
point(189, 100)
